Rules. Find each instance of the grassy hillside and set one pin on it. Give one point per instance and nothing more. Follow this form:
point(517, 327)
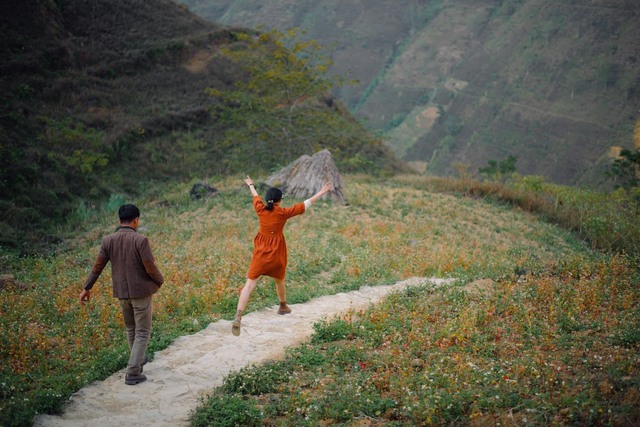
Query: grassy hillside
point(458, 81)
point(391, 229)
point(550, 349)
point(103, 98)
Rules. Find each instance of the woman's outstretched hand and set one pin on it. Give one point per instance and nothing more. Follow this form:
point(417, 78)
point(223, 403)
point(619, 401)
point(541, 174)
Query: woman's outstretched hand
point(249, 183)
point(326, 187)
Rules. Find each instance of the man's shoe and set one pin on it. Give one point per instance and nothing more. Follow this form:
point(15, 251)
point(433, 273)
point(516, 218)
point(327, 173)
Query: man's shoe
point(134, 379)
point(235, 327)
point(284, 308)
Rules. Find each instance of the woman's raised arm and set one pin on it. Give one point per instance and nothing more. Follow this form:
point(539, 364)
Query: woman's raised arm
point(325, 188)
point(249, 183)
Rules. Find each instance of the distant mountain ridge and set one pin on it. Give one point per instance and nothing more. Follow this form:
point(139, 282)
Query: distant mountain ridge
point(555, 83)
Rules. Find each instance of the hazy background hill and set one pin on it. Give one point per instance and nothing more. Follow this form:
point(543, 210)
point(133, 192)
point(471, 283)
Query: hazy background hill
point(101, 99)
point(555, 83)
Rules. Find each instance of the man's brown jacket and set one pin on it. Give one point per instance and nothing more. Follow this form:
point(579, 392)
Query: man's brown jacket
point(134, 273)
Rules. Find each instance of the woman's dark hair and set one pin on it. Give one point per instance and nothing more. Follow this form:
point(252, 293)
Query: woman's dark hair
point(128, 213)
point(274, 195)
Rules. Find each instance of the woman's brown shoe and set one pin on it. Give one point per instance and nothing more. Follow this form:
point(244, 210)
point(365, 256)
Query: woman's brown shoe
point(284, 308)
point(235, 327)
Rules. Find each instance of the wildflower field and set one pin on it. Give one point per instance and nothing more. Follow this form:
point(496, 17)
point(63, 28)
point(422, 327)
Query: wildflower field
point(556, 349)
point(551, 338)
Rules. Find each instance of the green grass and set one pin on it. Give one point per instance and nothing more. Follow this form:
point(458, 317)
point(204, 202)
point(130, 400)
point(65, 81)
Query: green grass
point(551, 340)
point(541, 350)
point(391, 230)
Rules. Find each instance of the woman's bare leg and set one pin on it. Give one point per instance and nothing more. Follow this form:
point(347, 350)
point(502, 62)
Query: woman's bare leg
point(245, 293)
point(281, 290)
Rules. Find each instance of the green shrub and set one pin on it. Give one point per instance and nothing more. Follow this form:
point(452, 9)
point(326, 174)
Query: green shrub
point(255, 380)
point(305, 357)
point(330, 331)
point(227, 411)
point(82, 213)
point(8, 235)
point(114, 203)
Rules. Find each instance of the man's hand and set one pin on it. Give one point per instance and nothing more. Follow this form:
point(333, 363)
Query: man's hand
point(85, 296)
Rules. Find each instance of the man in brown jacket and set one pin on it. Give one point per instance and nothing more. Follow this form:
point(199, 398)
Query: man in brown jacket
point(135, 278)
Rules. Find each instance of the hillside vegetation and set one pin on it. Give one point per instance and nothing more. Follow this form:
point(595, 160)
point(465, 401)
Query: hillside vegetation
point(130, 101)
point(554, 83)
point(550, 291)
point(105, 98)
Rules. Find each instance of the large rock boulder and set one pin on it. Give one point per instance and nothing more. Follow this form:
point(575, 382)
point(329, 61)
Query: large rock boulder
point(305, 177)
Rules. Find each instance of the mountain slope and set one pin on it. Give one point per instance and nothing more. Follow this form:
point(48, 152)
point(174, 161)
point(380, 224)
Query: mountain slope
point(556, 84)
point(84, 92)
point(100, 98)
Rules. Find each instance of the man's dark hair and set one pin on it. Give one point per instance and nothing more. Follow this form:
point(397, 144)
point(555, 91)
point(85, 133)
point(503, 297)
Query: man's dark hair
point(128, 213)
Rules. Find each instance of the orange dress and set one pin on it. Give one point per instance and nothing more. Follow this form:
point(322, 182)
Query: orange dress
point(269, 246)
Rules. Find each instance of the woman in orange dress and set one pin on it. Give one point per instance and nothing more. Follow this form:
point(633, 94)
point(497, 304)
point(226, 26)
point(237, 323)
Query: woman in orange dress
point(269, 246)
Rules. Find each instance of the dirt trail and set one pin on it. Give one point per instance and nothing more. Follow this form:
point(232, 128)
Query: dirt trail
point(195, 364)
